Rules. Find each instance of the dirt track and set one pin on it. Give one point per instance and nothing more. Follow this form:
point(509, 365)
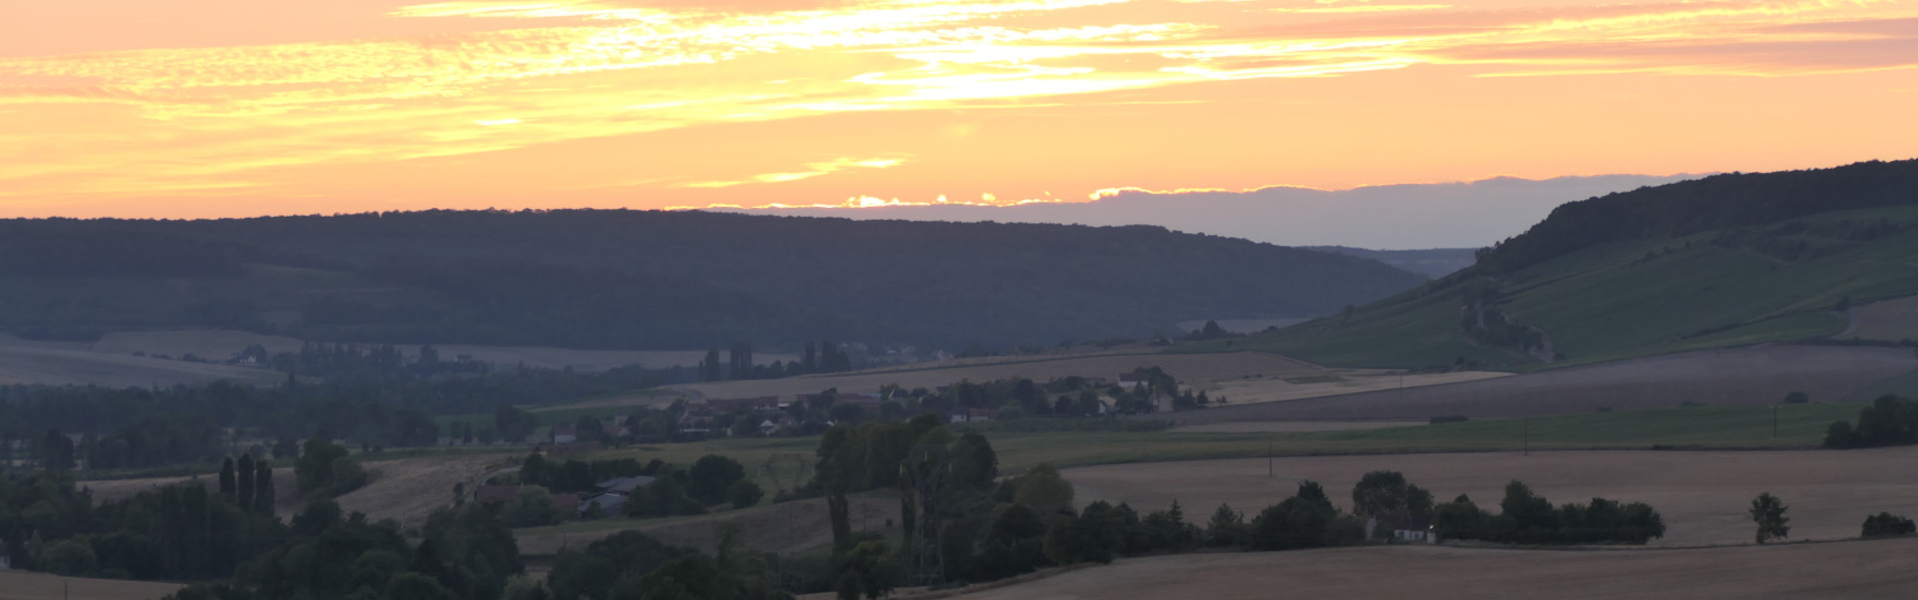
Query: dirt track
point(1703, 496)
point(1743, 376)
point(1859, 570)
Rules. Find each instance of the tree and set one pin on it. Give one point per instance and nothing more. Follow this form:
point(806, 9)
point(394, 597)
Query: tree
point(533, 507)
point(227, 484)
point(244, 485)
point(711, 476)
point(1044, 491)
point(1797, 397)
point(1769, 513)
point(56, 451)
point(314, 469)
point(869, 569)
point(696, 577)
point(264, 497)
point(1226, 527)
point(1387, 495)
point(744, 494)
point(414, 586)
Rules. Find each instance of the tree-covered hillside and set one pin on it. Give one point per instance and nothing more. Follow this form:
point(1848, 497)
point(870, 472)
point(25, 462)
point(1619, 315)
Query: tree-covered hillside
point(653, 280)
point(1722, 261)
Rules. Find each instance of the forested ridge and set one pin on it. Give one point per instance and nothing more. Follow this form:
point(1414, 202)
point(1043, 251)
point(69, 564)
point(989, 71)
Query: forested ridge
point(652, 280)
point(1716, 202)
point(1725, 260)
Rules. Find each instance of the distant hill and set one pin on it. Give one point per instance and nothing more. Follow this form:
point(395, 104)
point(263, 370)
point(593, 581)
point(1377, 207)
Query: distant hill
point(1422, 215)
point(1433, 263)
point(653, 280)
point(1721, 261)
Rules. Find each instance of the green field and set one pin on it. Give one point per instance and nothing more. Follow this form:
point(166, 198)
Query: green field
point(1627, 299)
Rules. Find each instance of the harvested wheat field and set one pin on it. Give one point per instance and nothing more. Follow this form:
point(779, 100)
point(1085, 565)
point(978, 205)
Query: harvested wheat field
point(409, 489)
point(1193, 369)
point(786, 528)
point(1859, 570)
point(21, 585)
point(1703, 496)
point(1332, 382)
point(405, 490)
point(1891, 320)
point(1742, 376)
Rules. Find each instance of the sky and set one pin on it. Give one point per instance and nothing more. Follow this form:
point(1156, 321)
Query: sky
point(213, 108)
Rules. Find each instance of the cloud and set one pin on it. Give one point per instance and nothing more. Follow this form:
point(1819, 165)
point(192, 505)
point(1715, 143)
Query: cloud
point(567, 70)
point(813, 170)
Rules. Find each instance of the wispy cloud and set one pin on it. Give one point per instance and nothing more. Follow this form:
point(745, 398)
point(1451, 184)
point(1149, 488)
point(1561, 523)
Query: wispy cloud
point(812, 170)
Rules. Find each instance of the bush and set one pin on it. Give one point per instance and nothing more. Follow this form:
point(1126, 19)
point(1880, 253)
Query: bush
point(1885, 524)
point(1527, 518)
point(1797, 398)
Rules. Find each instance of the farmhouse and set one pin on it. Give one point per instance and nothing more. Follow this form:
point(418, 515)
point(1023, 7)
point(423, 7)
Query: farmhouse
point(563, 434)
point(972, 415)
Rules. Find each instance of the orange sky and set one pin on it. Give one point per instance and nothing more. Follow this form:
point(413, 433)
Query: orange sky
point(196, 108)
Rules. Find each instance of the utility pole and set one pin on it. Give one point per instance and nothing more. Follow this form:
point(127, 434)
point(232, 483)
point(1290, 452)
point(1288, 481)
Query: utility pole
point(1774, 420)
point(1527, 443)
point(1268, 457)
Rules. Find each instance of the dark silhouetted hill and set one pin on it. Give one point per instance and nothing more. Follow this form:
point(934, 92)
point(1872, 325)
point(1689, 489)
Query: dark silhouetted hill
point(653, 280)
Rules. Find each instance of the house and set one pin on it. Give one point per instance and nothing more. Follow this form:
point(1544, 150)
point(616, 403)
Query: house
point(567, 501)
point(494, 497)
point(1131, 380)
point(609, 504)
point(623, 486)
point(1416, 529)
point(563, 434)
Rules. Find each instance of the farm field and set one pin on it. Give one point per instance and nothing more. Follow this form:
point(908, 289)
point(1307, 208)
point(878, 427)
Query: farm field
point(1703, 495)
point(22, 585)
point(1863, 570)
point(68, 363)
point(1744, 376)
point(1890, 320)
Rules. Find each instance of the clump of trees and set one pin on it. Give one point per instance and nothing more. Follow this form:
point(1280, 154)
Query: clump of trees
point(1527, 518)
point(1885, 524)
point(1889, 421)
point(326, 469)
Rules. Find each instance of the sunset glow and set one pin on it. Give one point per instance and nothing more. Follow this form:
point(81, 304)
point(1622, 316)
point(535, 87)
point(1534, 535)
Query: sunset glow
point(216, 108)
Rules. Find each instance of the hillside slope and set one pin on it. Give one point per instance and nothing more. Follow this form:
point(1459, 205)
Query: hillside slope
point(653, 280)
point(1722, 261)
